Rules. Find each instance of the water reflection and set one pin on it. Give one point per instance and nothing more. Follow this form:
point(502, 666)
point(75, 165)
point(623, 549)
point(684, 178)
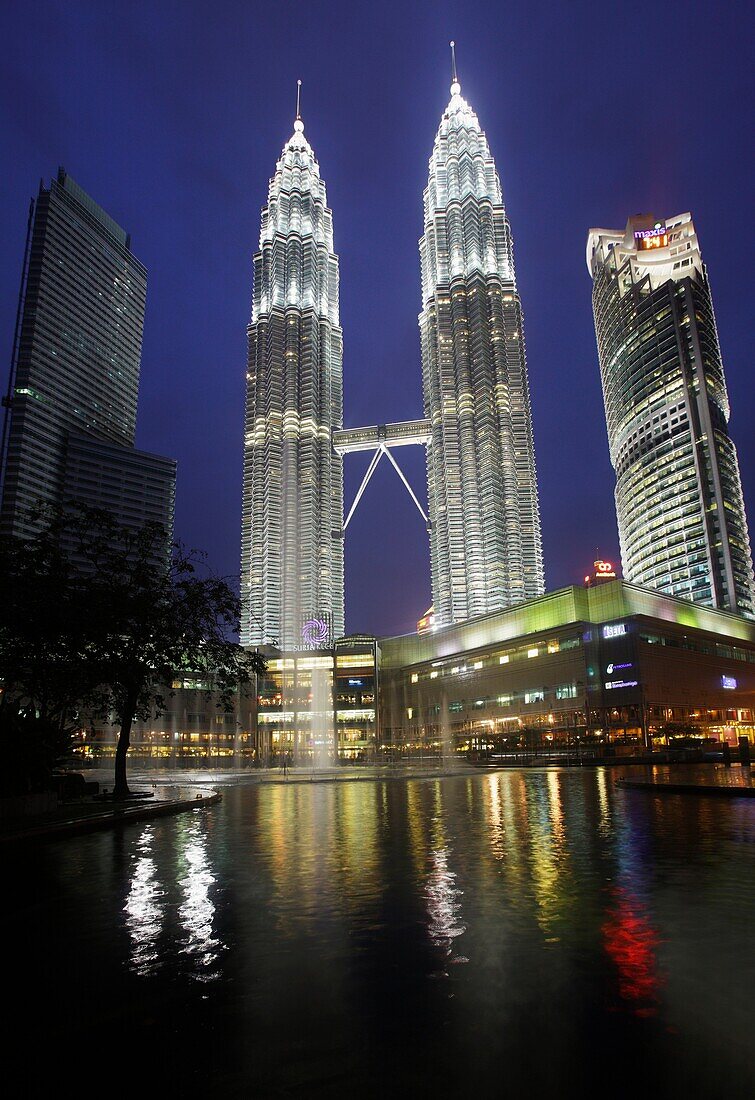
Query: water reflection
point(197, 910)
point(144, 907)
point(548, 853)
point(631, 943)
point(605, 811)
point(443, 905)
point(630, 939)
point(580, 908)
point(441, 892)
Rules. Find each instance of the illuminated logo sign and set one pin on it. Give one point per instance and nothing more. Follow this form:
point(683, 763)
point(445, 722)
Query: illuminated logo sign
point(657, 237)
point(601, 571)
point(610, 669)
point(610, 684)
point(427, 622)
point(315, 632)
point(355, 683)
point(614, 630)
point(728, 682)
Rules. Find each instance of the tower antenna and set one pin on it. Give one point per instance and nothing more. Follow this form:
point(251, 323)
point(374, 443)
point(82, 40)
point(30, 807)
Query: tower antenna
point(455, 85)
point(298, 99)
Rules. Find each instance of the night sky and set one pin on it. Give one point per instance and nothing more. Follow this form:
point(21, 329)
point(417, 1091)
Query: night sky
point(172, 116)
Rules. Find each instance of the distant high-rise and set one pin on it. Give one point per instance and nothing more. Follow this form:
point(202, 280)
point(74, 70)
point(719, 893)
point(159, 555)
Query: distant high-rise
point(76, 372)
point(485, 542)
point(292, 518)
point(679, 503)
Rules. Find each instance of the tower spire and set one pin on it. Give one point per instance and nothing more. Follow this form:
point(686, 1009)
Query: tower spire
point(298, 124)
point(455, 85)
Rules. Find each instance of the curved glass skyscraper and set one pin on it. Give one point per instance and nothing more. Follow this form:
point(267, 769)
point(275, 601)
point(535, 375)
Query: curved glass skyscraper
point(486, 550)
point(292, 545)
point(679, 503)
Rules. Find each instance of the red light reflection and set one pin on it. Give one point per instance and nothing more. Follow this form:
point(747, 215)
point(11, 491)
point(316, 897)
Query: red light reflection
point(631, 942)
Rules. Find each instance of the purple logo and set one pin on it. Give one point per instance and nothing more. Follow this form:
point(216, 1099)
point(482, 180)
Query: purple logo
point(314, 633)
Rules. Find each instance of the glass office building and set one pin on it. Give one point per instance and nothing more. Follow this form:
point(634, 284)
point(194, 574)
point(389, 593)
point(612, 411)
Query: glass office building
point(76, 372)
point(679, 503)
point(486, 551)
point(334, 691)
point(292, 512)
point(584, 671)
point(578, 674)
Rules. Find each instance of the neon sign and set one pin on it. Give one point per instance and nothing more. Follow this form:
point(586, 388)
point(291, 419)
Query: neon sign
point(614, 630)
point(728, 682)
point(613, 667)
point(657, 237)
point(621, 684)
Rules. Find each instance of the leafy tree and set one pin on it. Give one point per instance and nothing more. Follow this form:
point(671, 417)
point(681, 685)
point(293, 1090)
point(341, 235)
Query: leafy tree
point(42, 667)
point(130, 616)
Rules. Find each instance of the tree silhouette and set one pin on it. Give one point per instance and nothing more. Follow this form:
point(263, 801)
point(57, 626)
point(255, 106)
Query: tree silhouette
point(122, 616)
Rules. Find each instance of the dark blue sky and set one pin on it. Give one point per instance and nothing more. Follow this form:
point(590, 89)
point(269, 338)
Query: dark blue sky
point(172, 115)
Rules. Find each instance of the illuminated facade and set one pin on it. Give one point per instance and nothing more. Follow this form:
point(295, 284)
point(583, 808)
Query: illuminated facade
point(584, 672)
point(291, 709)
point(485, 540)
point(292, 516)
point(72, 409)
point(679, 503)
point(580, 673)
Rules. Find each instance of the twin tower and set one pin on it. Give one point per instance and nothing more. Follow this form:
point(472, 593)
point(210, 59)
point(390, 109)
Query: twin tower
point(484, 522)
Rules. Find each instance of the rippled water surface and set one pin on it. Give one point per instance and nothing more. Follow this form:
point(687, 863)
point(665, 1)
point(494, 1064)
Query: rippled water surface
point(535, 933)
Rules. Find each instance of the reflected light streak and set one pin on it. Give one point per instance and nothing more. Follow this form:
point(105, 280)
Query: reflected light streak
point(443, 906)
point(197, 911)
point(143, 908)
point(548, 855)
point(605, 813)
point(631, 942)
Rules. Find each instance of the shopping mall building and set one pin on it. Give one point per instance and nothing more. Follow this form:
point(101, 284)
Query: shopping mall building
point(610, 669)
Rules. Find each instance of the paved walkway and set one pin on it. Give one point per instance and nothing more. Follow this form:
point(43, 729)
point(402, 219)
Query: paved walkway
point(89, 814)
point(717, 780)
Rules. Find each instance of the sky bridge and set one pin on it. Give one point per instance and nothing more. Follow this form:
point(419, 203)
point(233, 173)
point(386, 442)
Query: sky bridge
point(381, 438)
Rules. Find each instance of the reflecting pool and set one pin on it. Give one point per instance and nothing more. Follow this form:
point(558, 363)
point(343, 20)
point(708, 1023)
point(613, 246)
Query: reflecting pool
point(538, 932)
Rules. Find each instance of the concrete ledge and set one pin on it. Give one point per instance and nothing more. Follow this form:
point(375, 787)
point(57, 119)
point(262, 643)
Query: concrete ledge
point(109, 817)
point(718, 790)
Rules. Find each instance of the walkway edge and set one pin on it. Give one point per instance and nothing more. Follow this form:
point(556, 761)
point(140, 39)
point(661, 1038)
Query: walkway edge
point(111, 818)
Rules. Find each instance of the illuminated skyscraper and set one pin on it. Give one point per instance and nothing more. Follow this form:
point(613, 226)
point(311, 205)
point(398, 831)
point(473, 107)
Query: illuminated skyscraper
point(71, 415)
point(679, 503)
point(485, 542)
point(291, 542)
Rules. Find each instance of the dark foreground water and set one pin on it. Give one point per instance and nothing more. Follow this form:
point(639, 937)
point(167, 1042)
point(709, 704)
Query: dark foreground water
point(517, 934)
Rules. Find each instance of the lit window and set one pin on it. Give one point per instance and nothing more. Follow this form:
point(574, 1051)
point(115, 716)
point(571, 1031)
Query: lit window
point(532, 652)
point(415, 677)
point(504, 660)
